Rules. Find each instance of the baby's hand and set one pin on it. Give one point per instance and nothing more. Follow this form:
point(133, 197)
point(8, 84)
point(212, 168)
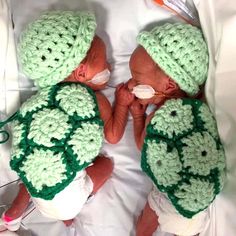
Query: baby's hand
point(137, 109)
point(123, 95)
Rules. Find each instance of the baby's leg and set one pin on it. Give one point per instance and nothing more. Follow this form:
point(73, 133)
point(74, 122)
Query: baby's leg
point(100, 171)
point(13, 216)
point(19, 205)
point(147, 222)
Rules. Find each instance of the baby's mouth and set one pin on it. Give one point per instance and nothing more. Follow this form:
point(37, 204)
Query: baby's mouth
point(101, 78)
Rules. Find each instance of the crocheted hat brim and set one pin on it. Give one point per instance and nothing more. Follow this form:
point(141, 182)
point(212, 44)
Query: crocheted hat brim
point(167, 63)
point(85, 34)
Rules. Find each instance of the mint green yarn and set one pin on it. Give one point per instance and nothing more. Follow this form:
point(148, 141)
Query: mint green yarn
point(50, 168)
point(180, 51)
point(53, 46)
point(208, 119)
point(200, 153)
point(39, 100)
point(51, 143)
point(81, 103)
point(166, 165)
point(173, 119)
point(186, 162)
point(45, 172)
point(18, 136)
point(195, 195)
point(49, 124)
point(221, 166)
point(89, 135)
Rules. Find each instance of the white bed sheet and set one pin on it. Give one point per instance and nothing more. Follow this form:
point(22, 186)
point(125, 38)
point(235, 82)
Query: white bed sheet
point(114, 210)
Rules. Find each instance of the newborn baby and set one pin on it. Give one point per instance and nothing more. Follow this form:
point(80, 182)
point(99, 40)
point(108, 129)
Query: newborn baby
point(58, 133)
point(180, 147)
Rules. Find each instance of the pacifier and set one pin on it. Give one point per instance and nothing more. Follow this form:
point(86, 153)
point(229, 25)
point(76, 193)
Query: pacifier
point(101, 78)
point(143, 91)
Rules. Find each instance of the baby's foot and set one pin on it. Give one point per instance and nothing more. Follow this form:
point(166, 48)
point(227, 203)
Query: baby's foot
point(68, 222)
point(10, 223)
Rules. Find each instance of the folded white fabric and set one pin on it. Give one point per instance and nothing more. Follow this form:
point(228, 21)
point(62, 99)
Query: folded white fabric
point(171, 221)
point(69, 202)
point(9, 95)
point(118, 24)
point(218, 19)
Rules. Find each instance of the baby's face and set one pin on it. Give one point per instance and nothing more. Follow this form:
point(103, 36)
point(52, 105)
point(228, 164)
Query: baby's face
point(95, 62)
point(146, 72)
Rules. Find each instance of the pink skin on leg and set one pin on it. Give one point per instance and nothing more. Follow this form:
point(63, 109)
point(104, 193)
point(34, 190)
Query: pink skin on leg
point(19, 205)
point(99, 172)
point(147, 222)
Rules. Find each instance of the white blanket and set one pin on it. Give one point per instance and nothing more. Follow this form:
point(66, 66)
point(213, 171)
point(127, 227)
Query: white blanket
point(114, 210)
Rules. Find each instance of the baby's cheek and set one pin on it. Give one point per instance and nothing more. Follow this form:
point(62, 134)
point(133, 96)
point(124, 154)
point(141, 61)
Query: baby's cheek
point(145, 101)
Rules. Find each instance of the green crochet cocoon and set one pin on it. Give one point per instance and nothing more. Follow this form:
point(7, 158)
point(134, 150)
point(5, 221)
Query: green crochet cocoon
point(56, 133)
point(183, 155)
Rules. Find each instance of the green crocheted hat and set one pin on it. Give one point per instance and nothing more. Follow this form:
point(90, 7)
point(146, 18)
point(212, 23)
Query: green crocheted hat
point(56, 133)
point(183, 155)
point(54, 45)
point(180, 51)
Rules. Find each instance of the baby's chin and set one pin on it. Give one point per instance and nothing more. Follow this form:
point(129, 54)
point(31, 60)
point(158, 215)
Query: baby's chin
point(89, 84)
point(155, 100)
point(96, 86)
point(145, 101)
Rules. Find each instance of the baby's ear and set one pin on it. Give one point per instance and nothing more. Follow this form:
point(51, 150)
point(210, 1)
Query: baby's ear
point(171, 86)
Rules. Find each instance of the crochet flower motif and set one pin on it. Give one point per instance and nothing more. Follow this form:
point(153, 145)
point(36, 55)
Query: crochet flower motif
point(196, 195)
point(48, 124)
point(76, 99)
point(208, 119)
point(173, 118)
point(164, 165)
point(86, 142)
point(200, 154)
point(221, 167)
point(36, 101)
point(17, 128)
point(44, 168)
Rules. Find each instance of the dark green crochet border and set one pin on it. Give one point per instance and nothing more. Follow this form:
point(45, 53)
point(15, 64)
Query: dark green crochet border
point(196, 104)
point(69, 150)
point(185, 174)
point(48, 193)
point(69, 158)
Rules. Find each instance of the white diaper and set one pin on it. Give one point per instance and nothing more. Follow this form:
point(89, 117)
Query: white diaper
point(69, 202)
point(171, 221)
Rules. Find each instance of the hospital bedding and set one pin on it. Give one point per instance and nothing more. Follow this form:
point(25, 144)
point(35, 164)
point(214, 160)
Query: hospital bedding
point(115, 208)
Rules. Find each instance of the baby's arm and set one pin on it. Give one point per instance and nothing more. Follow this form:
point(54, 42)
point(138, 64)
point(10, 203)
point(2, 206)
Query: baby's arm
point(115, 120)
point(140, 121)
